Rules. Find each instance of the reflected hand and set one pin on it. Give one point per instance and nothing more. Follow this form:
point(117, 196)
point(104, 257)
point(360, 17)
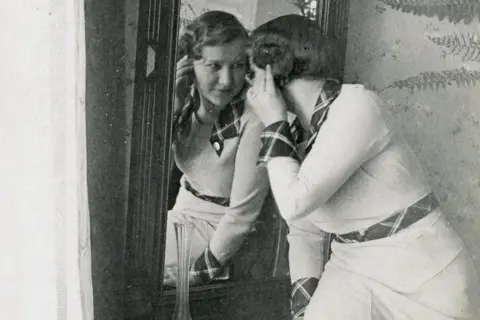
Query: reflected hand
point(205, 269)
point(183, 80)
point(171, 279)
point(265, 98)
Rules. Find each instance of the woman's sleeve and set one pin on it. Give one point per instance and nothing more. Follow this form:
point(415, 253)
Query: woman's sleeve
point(306, 257)
point(347, 139)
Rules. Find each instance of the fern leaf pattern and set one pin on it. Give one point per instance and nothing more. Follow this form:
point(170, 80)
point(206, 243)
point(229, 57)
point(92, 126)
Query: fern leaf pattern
point(434, 80)
point(453, 10)
point(467, 46)
point(187, 10)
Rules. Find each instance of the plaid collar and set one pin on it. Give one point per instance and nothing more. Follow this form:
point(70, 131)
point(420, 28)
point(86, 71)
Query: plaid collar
point(331, 90)
point(228, 123)
point(226, 126)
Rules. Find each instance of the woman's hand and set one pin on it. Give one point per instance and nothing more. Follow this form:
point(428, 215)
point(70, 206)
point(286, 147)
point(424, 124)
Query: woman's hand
point(184, 78)
point(171, 279)
point(266, 99)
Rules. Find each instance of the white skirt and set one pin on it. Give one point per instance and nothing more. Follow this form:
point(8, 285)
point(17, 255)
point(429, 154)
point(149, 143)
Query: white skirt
point(423, 272)
point(205, 216)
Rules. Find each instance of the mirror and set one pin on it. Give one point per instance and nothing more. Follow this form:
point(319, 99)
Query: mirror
point(214, 182)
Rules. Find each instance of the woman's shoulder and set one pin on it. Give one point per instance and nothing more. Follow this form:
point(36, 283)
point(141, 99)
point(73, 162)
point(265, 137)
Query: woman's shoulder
point(359, 93)
point(358, 99)
point(358, 105)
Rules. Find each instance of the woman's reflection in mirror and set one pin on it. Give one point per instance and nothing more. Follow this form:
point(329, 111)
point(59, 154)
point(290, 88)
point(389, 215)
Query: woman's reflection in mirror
point(216, 145)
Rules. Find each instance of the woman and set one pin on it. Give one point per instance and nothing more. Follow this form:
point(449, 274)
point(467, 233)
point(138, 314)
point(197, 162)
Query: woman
point(215, 146)
point(394, 255)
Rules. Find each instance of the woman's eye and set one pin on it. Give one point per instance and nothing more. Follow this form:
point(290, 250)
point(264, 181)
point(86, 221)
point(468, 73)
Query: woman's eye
point(213, 66)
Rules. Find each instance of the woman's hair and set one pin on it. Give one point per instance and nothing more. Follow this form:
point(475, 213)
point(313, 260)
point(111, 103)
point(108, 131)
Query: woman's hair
point(209, 29)
point(294, 47)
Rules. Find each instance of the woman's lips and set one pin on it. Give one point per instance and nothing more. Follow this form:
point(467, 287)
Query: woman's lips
point(223, 92)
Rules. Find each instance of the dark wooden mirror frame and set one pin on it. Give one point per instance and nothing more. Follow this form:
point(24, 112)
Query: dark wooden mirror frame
point(145, 297)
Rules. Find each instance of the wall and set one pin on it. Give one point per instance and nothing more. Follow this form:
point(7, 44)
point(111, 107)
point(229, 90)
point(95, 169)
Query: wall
point(244, 10)
point(270, 9)
point(44, 247)
point(392, 51)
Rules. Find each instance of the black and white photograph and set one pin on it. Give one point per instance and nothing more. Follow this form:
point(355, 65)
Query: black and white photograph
point(240, 160)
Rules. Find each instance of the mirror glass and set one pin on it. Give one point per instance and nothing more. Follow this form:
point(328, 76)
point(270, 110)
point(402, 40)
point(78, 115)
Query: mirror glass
point(214, 182)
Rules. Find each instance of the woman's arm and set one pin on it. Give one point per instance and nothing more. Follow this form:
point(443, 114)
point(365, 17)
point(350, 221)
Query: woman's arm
point(249, 189)
point(306, 258)
point(350, 136)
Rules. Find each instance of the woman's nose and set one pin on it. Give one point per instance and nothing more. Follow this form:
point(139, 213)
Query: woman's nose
point(225, 77)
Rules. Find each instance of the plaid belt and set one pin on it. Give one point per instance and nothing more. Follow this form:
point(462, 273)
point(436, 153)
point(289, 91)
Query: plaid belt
point(225, 202)
point(393, 224)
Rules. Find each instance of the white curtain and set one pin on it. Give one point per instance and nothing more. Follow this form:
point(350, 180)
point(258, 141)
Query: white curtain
point(45, 263)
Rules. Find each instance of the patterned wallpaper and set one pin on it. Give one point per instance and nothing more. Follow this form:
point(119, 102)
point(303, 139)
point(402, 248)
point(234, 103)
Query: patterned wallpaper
point(244, 10)
point(423, 58)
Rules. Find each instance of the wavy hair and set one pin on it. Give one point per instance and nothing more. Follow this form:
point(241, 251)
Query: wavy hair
point(210, 29)
point(294, 47)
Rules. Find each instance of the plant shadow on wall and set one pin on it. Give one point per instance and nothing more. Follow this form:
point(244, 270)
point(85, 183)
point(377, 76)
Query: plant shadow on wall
point(188, 12)
point(463, 45)
point(308, 8)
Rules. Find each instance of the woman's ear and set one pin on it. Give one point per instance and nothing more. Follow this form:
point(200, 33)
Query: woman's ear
point(281, 81)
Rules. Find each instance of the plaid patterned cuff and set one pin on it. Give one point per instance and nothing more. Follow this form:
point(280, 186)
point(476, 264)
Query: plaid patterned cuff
point(277, 141)
point(206, 268)
point(302, 291)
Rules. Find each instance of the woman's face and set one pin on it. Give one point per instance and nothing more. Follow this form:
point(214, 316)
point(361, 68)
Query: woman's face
point(220, 74)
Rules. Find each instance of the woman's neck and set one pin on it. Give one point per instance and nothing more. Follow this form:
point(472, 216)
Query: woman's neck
point(206, 113)
point(302, 94)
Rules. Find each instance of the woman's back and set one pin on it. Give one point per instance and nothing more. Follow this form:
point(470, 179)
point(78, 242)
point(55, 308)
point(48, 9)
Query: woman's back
point(389, 180)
